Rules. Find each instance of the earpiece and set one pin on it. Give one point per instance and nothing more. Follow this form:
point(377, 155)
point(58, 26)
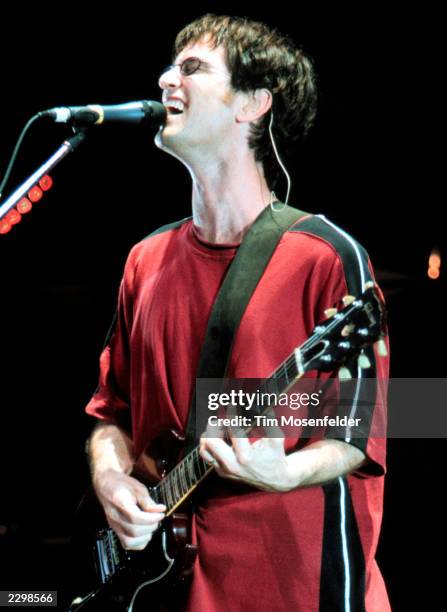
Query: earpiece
point(289, 182)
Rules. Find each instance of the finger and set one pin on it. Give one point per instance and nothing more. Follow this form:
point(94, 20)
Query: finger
point(122, 528)
point(242, 449)
point(130, 511)
point(213, 431)
point(139, 517)
point(221, 452)
point(138, 543)
point(207, 456)
point(234, 432)
point(273, 431)
point(147, 504)
point(139, 495)
point(144, 500)
point(258, 443)
point(275, 445)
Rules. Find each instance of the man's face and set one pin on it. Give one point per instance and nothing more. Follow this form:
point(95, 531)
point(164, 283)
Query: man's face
point(201, 106)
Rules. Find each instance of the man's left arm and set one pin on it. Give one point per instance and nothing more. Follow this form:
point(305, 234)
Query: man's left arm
point(265, 465)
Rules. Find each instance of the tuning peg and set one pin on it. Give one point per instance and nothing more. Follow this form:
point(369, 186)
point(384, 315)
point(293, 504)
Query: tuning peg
point(381, 348)
point(369, 285)
point(363, 332)
point(344, 373)
point(345, 345)
point(348, 299)
point(363, 361)
point(330, 312)
point(347, 329)
point(326, 358)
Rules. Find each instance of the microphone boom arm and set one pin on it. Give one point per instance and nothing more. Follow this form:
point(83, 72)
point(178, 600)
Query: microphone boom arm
point(69, 145)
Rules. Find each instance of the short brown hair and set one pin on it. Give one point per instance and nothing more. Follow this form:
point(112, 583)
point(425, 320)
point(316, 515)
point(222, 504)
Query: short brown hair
point(260, 57)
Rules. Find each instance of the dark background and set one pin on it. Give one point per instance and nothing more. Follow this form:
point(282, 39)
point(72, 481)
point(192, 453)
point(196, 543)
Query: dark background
point(370, 165)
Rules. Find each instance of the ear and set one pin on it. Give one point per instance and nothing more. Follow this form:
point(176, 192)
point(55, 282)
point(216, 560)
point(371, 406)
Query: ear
point(255, 104)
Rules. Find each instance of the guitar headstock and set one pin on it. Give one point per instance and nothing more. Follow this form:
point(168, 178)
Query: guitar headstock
point(346, 332)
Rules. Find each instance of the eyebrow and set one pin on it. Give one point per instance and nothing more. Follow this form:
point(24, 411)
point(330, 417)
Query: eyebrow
point(192, 57)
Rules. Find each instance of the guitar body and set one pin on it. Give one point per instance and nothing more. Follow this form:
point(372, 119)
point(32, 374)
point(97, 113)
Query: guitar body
point(134, 581)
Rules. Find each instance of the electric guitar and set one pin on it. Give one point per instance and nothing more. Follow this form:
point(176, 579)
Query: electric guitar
point(130, 581)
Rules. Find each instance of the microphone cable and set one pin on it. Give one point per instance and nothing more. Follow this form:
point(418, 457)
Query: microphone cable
point(15, 153)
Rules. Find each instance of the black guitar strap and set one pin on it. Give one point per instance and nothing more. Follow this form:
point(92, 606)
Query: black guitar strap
point(240, 282)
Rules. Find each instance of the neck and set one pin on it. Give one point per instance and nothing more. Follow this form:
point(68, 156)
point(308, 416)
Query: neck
point(227, 196)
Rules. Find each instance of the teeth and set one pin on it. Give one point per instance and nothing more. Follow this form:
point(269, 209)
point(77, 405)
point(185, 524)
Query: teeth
point(177, 104)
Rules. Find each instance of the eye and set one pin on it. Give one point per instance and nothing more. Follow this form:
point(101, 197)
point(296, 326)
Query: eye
point(190, 65)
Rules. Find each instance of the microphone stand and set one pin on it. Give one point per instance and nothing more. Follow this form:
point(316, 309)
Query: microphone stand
point(69, 145)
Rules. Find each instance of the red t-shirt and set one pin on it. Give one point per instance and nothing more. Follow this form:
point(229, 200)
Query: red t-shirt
point(309, 549)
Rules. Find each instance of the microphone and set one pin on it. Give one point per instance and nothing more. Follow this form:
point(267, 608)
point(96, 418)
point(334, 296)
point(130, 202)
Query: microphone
point(145, 112)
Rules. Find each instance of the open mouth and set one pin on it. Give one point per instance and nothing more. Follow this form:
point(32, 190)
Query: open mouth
point(174, 106)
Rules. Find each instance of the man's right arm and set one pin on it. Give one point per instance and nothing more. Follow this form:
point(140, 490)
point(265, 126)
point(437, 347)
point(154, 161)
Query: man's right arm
point(128, 507)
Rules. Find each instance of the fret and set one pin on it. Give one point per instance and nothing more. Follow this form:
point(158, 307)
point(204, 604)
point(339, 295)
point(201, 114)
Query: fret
point(204, 466)
point(282, 384)
point(180, 483)
point(162, 492)
point(284, 368)
point(272, 386)
point(189, 470)
point(293, 366)
point(194, 466)
point(200, 466)
point(188, 479)
point(171, 487)
point(298, 361)
point(185, 474)
point(197, 466)
point(183, 485)
point(155, 494)
point(175, 485)
point(279, 378)
point(169, 492)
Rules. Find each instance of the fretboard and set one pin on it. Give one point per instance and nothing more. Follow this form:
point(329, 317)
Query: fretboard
point(181, 481)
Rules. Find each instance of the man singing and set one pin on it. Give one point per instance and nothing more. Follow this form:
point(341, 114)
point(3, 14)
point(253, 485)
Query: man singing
point(287, 524)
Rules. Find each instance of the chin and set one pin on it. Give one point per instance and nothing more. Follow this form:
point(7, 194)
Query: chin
point(168, 143)
point(163, 138)
point(158, 140)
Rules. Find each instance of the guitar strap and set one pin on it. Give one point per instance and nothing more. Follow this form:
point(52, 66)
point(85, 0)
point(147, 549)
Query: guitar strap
point(240, 282)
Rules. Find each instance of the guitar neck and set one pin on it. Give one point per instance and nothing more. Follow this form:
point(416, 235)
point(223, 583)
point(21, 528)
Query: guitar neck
point(178, 485)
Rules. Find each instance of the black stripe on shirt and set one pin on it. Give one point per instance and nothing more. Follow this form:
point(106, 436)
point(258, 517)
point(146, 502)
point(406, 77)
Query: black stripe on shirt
point(333, 564)
point(336, 560)
point(319, 228)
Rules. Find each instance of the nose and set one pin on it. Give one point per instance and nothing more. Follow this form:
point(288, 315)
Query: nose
point(170, 78)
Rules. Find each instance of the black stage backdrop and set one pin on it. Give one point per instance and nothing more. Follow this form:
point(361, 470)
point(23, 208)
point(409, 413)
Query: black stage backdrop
point(369, 165)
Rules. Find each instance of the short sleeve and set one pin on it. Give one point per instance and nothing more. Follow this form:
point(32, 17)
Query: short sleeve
point(111, 400)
